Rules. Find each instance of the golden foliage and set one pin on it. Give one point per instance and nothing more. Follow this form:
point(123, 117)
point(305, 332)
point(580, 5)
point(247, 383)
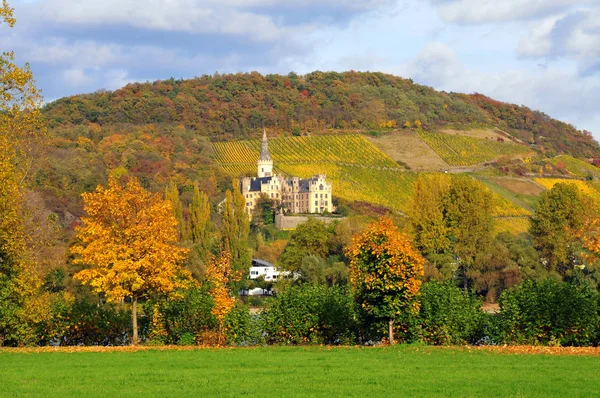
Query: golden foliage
point(220, 274)
point(128, 240)
point(385, 270)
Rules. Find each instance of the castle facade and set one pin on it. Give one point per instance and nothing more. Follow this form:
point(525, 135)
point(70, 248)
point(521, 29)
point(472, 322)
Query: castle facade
point(295, 195)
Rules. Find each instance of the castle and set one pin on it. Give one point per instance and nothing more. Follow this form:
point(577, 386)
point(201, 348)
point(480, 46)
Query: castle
point(295, 195)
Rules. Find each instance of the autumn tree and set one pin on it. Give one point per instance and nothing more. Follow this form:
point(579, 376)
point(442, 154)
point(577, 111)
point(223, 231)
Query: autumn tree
point(557, 225)
point(469, 211)
point(21, 127)
point(128, 242)
point(200, 230)
point(172, 195)
point(236, 227)
point(428, 221)
point(221, 276)
point(385, 273)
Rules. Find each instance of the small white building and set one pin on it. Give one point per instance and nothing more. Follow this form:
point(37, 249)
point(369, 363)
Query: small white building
point(265, 269)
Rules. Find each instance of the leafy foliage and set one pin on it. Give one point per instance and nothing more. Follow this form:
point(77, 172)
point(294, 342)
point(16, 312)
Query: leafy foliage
point(549, 312)
point(385, 273)
point(314, 314)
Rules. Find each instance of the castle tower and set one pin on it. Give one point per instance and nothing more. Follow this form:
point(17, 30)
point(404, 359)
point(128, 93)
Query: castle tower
point(265, 163)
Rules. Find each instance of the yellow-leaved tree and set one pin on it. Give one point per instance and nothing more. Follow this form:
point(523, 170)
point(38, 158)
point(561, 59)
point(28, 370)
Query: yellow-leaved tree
point(21, 125)
point(221, 275)
point(385, 273)
point(128, 241)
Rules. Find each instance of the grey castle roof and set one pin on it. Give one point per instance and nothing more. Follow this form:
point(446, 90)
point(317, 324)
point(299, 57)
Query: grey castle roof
point(264, 148)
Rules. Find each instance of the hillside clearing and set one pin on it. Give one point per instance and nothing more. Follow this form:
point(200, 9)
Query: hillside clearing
point(299, 371)
point(407, 147)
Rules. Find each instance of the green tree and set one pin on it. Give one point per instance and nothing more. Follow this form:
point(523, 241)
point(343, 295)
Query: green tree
point(557, 224)
point(312, 238)
point(469, 211)
point(200, 229)
point(172, 195)
point(236, 227)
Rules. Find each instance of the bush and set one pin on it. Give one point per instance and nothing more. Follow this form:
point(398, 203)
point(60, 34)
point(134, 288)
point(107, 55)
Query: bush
point(243, 327)
point(449, 315)
point(182, 318)
point(549, 312)
point(310, 314)
point(84, 323)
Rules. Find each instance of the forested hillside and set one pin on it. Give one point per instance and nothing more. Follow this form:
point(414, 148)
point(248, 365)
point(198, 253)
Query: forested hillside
point(233, 106)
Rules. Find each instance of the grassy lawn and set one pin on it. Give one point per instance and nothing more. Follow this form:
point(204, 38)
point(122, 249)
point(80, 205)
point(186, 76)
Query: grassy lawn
point(290, 371)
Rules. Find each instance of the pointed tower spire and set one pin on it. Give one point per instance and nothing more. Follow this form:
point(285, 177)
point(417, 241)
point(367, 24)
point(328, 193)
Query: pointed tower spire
point(265, 163)
point(264, 147)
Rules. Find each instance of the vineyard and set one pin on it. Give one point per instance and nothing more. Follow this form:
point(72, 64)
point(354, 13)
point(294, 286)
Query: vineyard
point(465, 151)
point(575, 167)
point(358, 170)
point(239, 158)
point(585, 187)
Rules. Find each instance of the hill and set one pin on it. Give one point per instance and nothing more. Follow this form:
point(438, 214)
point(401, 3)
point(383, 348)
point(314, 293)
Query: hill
point(234, 106)
point(177, 129)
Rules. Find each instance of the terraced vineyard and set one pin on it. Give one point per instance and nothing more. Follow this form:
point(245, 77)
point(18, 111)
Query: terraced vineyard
point(466, 151)
point(240, 157)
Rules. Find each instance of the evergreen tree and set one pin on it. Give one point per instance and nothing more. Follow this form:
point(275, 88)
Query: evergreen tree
point(172, 195)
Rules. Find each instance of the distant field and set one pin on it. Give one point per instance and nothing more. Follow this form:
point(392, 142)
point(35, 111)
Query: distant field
point(401, 371)
point(458, 150)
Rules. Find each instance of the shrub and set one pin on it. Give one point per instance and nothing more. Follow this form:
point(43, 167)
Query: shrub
point(80, 322)
point(310, 314)
point(189, 315)
point(549, 312)
point(242, 327)
point(449, 315)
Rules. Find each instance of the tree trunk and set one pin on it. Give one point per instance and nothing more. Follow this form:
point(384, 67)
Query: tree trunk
point(391, 331)
point(134, 320)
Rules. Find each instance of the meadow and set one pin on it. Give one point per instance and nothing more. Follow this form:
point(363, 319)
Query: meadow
point(407, 371)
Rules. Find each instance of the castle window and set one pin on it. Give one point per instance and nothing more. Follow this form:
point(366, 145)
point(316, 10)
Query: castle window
point(321, 187)
point(263, 170)
point(325, 196)
point(316, 202)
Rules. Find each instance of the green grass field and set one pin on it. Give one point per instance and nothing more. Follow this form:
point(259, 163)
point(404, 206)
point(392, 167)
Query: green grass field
point(400, 371)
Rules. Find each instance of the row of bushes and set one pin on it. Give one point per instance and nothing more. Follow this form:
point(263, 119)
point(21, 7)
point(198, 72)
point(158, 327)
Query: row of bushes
point(536, 313)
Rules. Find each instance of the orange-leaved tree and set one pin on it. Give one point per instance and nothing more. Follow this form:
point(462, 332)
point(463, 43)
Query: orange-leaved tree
point(385, 273)
point(220, 275)
point(128, 240)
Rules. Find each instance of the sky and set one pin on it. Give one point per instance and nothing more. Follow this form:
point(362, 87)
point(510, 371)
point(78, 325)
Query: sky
point(544, 54)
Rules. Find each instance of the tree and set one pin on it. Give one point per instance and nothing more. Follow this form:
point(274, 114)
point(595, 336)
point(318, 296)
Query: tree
point(221, 276)
point(172, 195)
point(469, 212)
point(200, 218)
point(21, 126)
point(385, 273)
point(313, 237)
point(236, 227)
point(557, 224)
point(128, 241)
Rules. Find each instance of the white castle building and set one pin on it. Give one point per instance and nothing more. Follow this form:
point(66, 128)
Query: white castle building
point(296, 195)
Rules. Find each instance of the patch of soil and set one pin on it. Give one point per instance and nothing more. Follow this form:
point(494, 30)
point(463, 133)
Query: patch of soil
point(519, 185)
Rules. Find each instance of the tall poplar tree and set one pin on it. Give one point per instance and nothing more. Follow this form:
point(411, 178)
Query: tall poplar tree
point(172, 195)
point(236, 227)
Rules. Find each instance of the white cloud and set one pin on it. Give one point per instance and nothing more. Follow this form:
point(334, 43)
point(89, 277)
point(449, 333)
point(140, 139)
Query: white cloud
point(76, 77)
point(563, 94)
point(485, 11)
